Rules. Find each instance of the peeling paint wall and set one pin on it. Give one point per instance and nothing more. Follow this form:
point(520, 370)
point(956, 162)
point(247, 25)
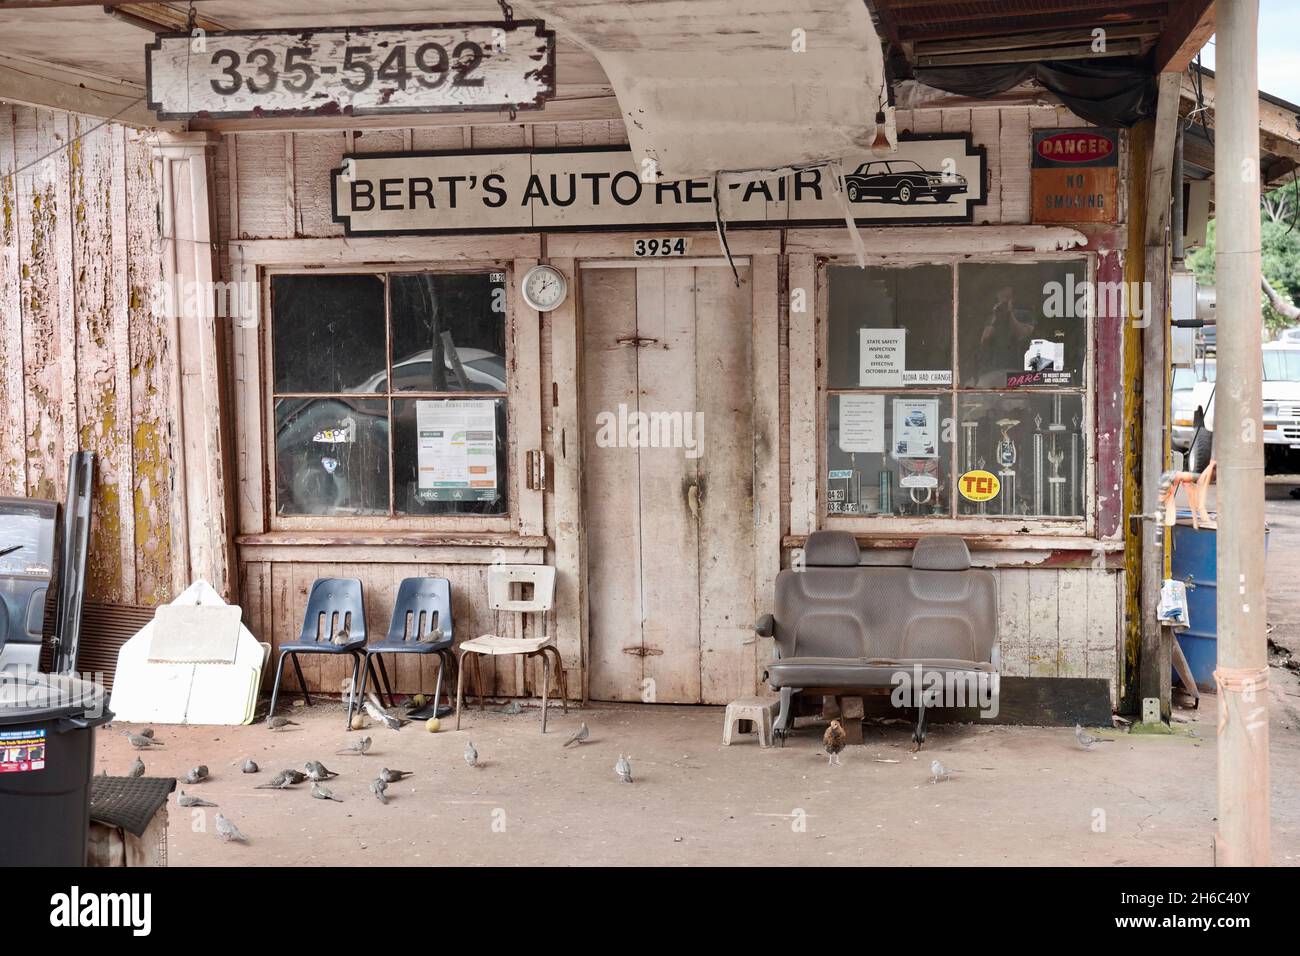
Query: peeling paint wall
point(83, 360)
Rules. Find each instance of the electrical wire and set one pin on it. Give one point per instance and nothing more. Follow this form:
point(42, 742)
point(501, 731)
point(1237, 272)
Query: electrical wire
point(76, 139)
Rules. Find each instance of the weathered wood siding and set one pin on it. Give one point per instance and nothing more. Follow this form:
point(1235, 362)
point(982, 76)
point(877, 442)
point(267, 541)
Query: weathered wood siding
point(276, 186)
point(1056, 621)
point(83, 363)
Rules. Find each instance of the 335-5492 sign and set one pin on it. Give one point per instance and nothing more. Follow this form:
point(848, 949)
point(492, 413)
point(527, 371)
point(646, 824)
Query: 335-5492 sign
point(356, 71)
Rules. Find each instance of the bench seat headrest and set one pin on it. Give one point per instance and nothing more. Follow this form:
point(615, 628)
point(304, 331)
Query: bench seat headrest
point(830, 549)
point(940, 554)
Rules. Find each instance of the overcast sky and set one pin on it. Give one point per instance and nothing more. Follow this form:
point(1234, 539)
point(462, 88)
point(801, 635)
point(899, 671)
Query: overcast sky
point(1279, 49)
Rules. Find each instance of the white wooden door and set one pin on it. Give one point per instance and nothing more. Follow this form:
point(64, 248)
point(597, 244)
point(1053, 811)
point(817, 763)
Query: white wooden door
point(669, 467)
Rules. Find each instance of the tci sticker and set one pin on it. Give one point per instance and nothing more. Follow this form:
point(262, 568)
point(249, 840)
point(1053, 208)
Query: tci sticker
point(22, 751)
point(979, 485)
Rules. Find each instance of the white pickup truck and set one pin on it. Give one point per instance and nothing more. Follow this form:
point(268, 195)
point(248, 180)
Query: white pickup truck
point(1281, 394)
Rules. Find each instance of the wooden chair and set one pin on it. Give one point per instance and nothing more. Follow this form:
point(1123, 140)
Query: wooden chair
point(518, 589)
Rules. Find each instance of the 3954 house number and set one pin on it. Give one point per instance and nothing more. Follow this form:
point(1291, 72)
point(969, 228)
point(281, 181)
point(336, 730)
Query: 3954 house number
point(352, 70)
point(651, 248)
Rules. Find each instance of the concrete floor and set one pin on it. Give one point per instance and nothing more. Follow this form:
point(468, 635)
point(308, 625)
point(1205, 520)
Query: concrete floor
point(1024, 795)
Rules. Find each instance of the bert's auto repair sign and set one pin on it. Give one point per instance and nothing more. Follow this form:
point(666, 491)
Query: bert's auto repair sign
point(936, 179)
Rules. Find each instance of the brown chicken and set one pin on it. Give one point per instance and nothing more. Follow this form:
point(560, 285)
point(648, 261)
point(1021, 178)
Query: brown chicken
point(834, 740)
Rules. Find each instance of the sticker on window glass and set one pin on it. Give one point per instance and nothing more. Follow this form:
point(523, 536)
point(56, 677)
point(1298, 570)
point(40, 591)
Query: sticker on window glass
point(979, 485)
point(330, 465)
point(918, 473)
point(457, 450)
point(345, 433)
point(1045, 356)
point(22, 751)
point(939, 376)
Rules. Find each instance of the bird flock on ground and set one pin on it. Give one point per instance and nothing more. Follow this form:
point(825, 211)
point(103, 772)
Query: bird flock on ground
point(834, 741)
point(315, 772)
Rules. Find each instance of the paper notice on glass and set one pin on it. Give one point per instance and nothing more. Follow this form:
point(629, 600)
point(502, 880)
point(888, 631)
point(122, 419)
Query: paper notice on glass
point(862, 423)
point(457, 450)
point(916, 428)
point(881, 358)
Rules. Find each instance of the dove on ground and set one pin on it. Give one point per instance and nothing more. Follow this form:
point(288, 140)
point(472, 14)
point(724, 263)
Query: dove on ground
point(579, 735)
point(623, 769)
point(137, 768)
point(357, 747)
point(184, 800)
point(317, 771)
point(471, 755)
point(834, 741)
point(939, 772)
point(377, 712)
point(513, 709)
point(140, 742)
point(147, 732)
point(250, 766)
point(279, 723)
point(323, 793)
point(295, 776)
point(229, 831)
point(197, 774)
point(281, 781)
point(392, 776)
point(1086, 740)
point(377, 787)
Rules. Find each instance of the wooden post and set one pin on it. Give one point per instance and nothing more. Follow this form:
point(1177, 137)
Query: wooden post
point(1156, 663)
point(202, 547)
point(1128, 442)
point(1242, 672)
point(566, 444)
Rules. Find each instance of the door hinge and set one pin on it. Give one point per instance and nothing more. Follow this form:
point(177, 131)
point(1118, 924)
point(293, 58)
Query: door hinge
point(644, 650)
point(536, 474)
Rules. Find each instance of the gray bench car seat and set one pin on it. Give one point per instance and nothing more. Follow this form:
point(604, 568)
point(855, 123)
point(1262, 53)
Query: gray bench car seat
point(839, 625)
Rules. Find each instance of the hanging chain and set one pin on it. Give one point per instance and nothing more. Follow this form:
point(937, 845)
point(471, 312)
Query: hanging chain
point(190, 18)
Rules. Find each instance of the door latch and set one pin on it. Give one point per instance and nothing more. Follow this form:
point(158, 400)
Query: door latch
point(644, 650)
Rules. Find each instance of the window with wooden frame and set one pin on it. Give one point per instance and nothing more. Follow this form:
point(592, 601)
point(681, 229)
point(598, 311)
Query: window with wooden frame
point(389, 395)
point(958, 395)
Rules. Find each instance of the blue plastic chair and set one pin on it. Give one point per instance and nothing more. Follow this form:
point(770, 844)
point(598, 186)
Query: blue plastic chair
point(421, 624)
point(334, 623)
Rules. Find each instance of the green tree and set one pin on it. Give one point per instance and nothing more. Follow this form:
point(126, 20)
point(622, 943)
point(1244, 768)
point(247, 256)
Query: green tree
point(1279, 212)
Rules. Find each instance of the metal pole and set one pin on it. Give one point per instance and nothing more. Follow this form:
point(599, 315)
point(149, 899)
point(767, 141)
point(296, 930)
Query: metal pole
point(1242, 673)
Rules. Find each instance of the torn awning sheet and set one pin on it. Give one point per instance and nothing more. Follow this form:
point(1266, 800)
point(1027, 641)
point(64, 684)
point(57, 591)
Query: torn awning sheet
point(708, 86)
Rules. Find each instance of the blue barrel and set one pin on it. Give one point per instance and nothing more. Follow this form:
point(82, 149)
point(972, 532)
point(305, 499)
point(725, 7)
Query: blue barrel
point(1196, 564)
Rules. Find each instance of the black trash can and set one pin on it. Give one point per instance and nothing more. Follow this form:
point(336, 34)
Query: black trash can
point(47, 756)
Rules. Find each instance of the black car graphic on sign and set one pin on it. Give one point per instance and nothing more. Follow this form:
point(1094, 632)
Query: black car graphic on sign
point(902, 180)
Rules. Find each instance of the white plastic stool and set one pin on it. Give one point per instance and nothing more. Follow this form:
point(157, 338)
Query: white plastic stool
point(759, 711)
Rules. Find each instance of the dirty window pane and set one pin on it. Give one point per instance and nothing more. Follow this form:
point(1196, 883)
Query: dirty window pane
point(1040, 463)
point(1022, 318)
point(889, 454)
point(328, 333)
point(890, 327)
point(449, 456)
point(331, 456)
point(449, 332)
